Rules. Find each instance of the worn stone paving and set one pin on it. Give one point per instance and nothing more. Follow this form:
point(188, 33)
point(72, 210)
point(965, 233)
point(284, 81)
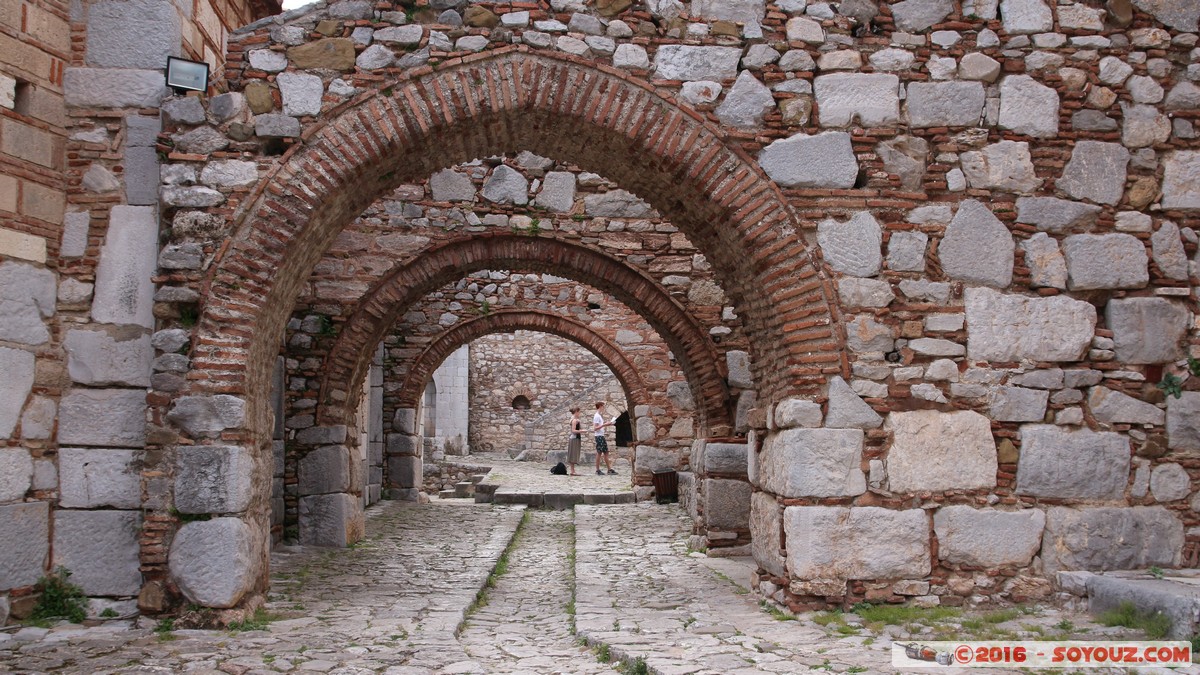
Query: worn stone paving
point(511, 474)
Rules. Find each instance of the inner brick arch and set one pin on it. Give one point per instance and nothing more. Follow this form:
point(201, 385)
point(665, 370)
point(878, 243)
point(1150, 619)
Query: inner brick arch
point(604, 120)
point(508, 321)
point(348, 359)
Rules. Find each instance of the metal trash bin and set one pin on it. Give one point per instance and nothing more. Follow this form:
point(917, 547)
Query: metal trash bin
point(666, 485)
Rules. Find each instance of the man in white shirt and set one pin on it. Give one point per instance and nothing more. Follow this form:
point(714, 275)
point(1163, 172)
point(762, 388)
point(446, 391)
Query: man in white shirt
point(598, 425)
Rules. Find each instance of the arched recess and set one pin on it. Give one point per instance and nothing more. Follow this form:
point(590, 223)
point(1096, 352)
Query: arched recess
point(392, 296)
point(508, 321)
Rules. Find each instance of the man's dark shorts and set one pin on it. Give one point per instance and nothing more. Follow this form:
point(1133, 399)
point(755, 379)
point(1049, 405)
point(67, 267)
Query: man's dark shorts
point(601, 445)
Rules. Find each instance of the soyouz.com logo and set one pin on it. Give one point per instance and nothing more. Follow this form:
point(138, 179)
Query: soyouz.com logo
point(1041, 654)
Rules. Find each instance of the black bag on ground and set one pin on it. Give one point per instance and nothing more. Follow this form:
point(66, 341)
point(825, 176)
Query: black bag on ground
point(559, 469)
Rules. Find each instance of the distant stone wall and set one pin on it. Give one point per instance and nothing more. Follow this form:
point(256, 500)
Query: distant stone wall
point(552, 374)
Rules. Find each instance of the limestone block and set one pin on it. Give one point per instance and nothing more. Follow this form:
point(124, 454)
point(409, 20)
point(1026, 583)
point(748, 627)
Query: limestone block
point(374, 57)
point(301, 93)
point(1111, 538)
point(905, 156)
point(740, 11)
point(689, 63)
point(1006, 166)
point(75, 233)
point(852, 247)
point(103, 417)
point(1169, 482)
point(914, 16)
point(331, 520)
point(977, 247)
point(766, 530)
point(616, 204)
point(977, 66)
point(812, 463)
point(100, 548)
point(276, 126)
point(1168, 253)
point(1113, 260)
point(1096, 172)
point(114, 87)
point(184, 110)
point(945, 104)
point(797, 412)
point(865, 335)
point(1026, 16)
point(725, 458)
point(836, 542)
point(737, 362)
point(647, 459)
point(16, 473)
point(97, 358)
point(847, 410)
point(213, 479)
point(201, 141)
point(97, 477)
point(27, 296)
point(935, 451)
point(268, 60)
point(334, 53)
point(124, 277)
point(217, 562)
point(1178, 14)
point(1072, 464)
point(405, 471)
point(325, 470)
point(18, 368)
point(558, 192)
point(1147, 330)
point(803, 29)
point(759, 56)
point(229, 173)
point(727, 504)
point(100, 180)
point(24, 543)
point(797, 59)
point(38, 420)
point(1051, 214)
point(404, 445)
point(1183, 96)
point(631, 56)
point(1018, 404)
point(1181, 180)
point(132, 34)
point(746, 103)
point(1183, 422)
point(1047, 266)
point(448, 185)
point(1003, 328)
point(871, 98)
point(1027, 106)
point(988, 537)
point(855, 292)
point(821, 161)
point(906, 251)
point(646, 431)
point(936, 347)
point(200, 415)
point(1113, 407)
point(1143, 125)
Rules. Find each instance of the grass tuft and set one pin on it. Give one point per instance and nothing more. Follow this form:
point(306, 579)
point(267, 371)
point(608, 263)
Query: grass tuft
point(1155, 625)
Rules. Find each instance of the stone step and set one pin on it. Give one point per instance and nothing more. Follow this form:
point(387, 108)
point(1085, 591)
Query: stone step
point(560, 500)
point(478, 478)
point(1176, 595)
point(464, 489)
point(446, 494)
point(484, 492)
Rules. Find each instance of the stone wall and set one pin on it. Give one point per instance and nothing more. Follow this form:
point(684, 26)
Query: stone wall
point(552, 374)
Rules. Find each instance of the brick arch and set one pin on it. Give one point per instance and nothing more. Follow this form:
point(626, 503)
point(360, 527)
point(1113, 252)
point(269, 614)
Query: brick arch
point(348, 358)
point(508, 321)
point(596, 116)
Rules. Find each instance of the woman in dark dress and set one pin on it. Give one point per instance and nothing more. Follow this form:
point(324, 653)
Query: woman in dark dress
point(573, 440)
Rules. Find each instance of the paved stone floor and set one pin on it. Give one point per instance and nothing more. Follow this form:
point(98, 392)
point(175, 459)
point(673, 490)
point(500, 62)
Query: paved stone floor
point(536, 476)
point(407, 600)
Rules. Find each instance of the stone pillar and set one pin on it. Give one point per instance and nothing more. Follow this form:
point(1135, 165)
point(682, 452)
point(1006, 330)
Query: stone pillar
point(404, 469)
point(453, 405)
point(329, 481)
point(375, 437)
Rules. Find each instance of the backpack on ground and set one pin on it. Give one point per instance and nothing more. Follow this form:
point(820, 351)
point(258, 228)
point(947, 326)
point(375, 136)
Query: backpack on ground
point(559, 469)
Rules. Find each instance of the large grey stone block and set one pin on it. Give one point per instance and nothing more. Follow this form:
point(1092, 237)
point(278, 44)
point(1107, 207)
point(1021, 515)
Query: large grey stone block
point(114, 87)
point(1166, 248)
point(914, 16)
point(1147, 330)
point(737, 363)
point(16, 473)
point(1183, 422)
point(1051, 214)
point(1170, 482)
point(740, 11)
point(98, 477)
point(213, 479)
point(301, 93)
point(403, 444)
point(988, 537)
point(1096, 172)
point(17, 366)
point(1028, 106)
point(1072, 464)
point(1181, 180)
point(725, 458)
point(1003, 327)
point(24, 543)
point(142, 175)
point(766, 533)
point(797, 412)
point(217, 562)
point(824, 160)
point(558, 192)
point(1113, 407)
point(871, 98)
point(330, 520)
point(207, 415)
point(747, 101)
point(945, 104)
point(836, 542)
point(101, 550)
point(124, 277)
point(616, 204)
point(325, 470)
point(100, 358)
point(977, 247)
point(852, 247)
point(1018, 404)
point(727, 504)
point(1043, 257)
point(812, 463)
point(405, 471)
point(132, 33)
point(934, 451)
point(647, 459)
point(1006, 166)
point(1026, 16)
point(1111, 538)
point(847, 410)
point(688, 63)
point(27, 296)
point(104, 417)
